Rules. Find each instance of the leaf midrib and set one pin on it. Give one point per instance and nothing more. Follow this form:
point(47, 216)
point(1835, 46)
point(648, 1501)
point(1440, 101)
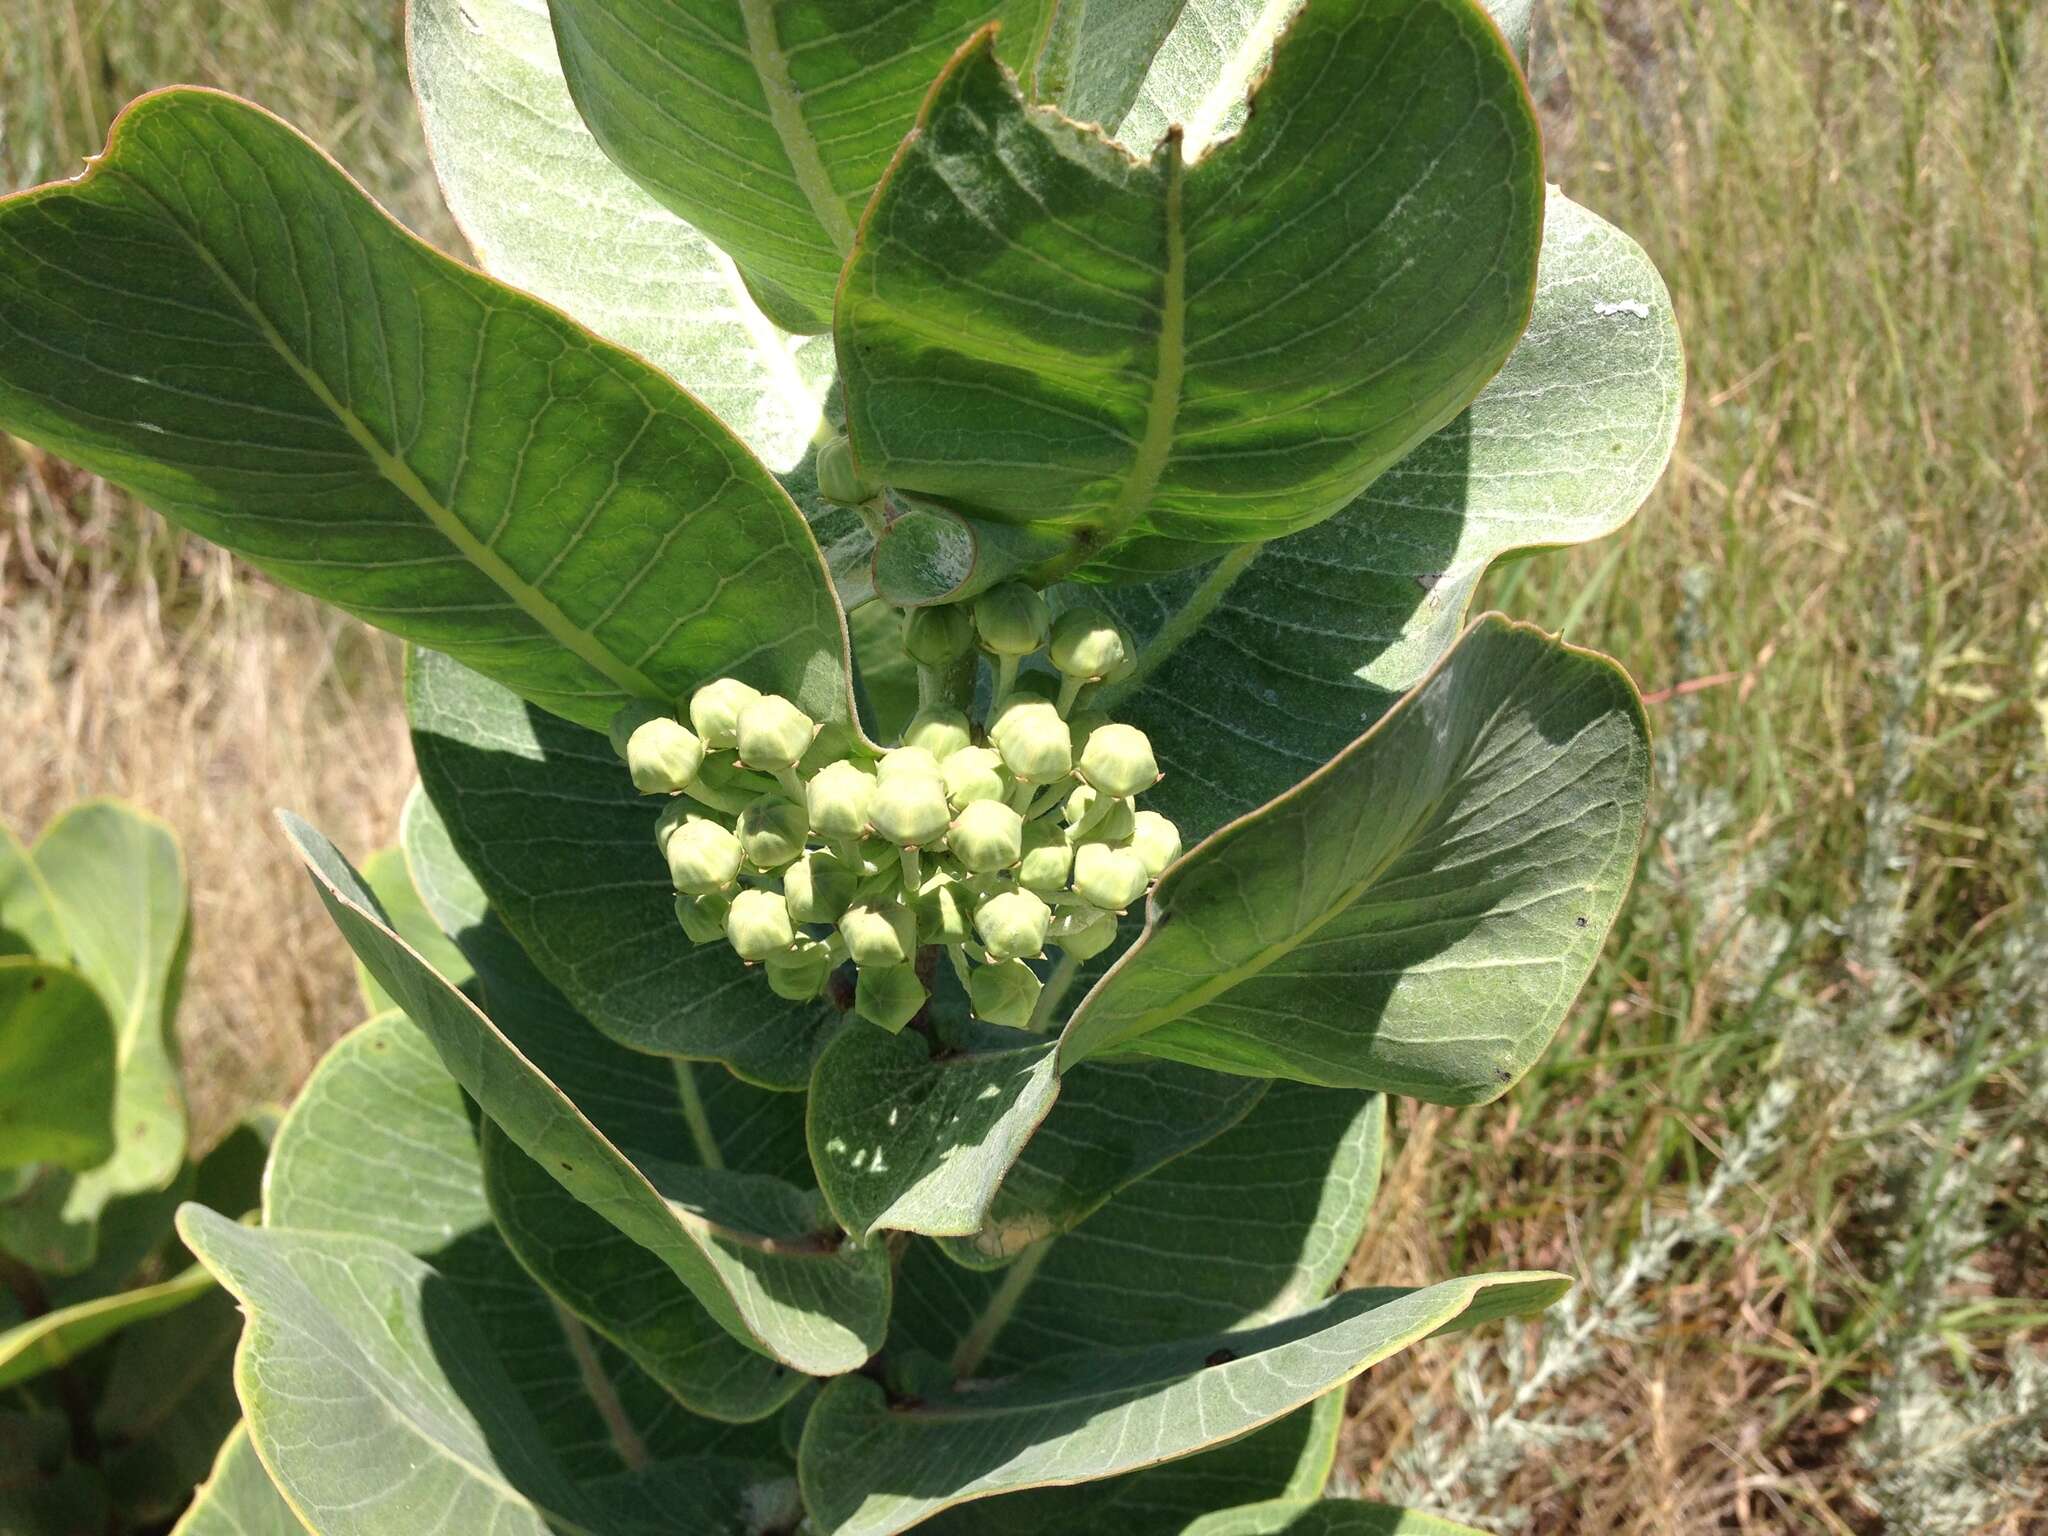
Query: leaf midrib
point(406, 481)
point(785, 114)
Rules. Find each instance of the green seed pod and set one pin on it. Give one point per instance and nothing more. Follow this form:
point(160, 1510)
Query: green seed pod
point(838, 479)
point(939, 731)
point(818, 888)
point(1012, 925)
point(908, 763)
point(840, 799)
point(663, 756)
point(1118, 761)
point(911, 810)
point(1005, 993)
point(1093, 817)
point(1109, 878)
point(1047, 862)
point(1011, 619)
point(758, 924)
point(879, 936)
point(1084, 940)
point(1034, 743)
point(715, 710)
point(773, 733)
point(987, 836)
point(703, 857)
point(889, 996)
point(1155, 840)
point(702, 917)
point(971, 774)
point(1086, 643)
point(772, 832)
point(942, 911)
point(633, 714)
point(937, 637)
point(800, 972)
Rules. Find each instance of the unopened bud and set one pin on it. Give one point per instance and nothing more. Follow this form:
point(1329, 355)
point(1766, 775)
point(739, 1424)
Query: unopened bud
point(1093, 817)
point(986, 837)
point(1034, 743)
point(772, 832)
point(939, 731)
point(838, 478)
point(773, 733)
point(971, 774)
point(941, 907)
point(1086, 643)
point(910, 810)
point(702, 917)
point(935, 637)
point(703, 857)
point(1012, 925)
point(1118, 761)
point(631, 715)
point(840, 798)
point(1006, 993)
point(671, 820)
point(1155, 840)
point(1011, 619)
point(663, 756)
point(799, 973)
point(889, 996)
point(1047, 862)
point(1109, 878)
point(758, 924)
point(879, 936)
point(1086, 935)
point(818, 888)
point(908, 763)
point(715, 710)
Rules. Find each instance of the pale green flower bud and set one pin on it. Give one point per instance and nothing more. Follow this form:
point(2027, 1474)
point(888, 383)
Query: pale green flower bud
point(633, 714)
point(1109, 878)
point(838, 478)
point(671, 820)
point(799, 973)
point(1093, 817)
point(942, 911)
point(908, 763)
point(879, 936)
point(773, 733)
point(703, 857)
point(758, 924)
point(971, 774)
point(772, 832)
point(986, 837)
point(1086, 935)
point(1011, 619)
point(935, 637)
point(1005, 993)
point(1012, 925)
point(1047, 862)
point(840, 799)
point(1118, 761)
point(910, 810)
point(1081, 725)
point(939, 731)
point(702, 917)
point(889, 996)
point(1086, 643)
point(1155, 840)
point(663, 756)
point(1034, 743)
point(818, 888)
point(715, 710)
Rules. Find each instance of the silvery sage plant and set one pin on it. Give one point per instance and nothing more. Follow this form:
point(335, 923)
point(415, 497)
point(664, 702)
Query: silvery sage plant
point(954, 777)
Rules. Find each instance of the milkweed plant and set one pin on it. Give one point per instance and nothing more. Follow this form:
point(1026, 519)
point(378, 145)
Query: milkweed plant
point(935, 544)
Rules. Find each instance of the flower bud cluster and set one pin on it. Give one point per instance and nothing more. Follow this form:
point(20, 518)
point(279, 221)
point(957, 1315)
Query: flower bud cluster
point(994, 840)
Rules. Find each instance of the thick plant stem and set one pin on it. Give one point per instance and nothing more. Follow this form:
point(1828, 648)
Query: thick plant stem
point(950, 686)
point(1006, 677)
point(1056, 987)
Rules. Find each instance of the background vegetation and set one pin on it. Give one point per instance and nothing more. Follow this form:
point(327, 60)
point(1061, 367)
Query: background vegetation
point(1794, 1135)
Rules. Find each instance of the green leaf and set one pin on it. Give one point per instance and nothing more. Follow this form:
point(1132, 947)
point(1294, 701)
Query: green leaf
point(751, 1249)
point(56, 1067)
point(1096, 54)
point(168, 1402)
point(238, 1498)
point(117, 882)
point(1213, 351)
point(1259, 668)
point(1323, 1517)
point(215, 317)
point(544, 210)
point(1515, 18)
point(911, 1142)
point(1417, 915)
point(1112, 1125)
point(380, 1144)
point(1202, 73)
point(767, 123)
point(28, 1349)
point(869, 1469)
point(390, 881)
point(545, 816)
point(28, 920)
point(379, 1406)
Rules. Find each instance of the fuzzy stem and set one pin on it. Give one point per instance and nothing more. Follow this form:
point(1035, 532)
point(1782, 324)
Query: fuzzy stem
point(950, 685)
point(1070, 690)
point(1055, 988)
point(792, 786)
point(1006, 676)
point(913, 873)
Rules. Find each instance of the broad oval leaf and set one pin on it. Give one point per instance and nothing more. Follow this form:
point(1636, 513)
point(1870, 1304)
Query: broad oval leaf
point(28, 918)
point(1096, 54)
point(545, 817)
point(767, 123)
point(238, 1497)
point(1417, 915)
point(1258, 668)
point(56, 1067)
point(546, 211)
point(216, 317)
point(869, 1468)
point(750, 1249)
point(1038, 329)
point(390, 881)
point(1324, 1517)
